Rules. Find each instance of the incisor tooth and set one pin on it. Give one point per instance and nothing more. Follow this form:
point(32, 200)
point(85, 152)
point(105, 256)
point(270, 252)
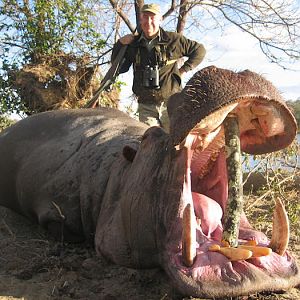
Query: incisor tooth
point(233, 254)
point(257, 251)
point(188, 236)
point(281, 229)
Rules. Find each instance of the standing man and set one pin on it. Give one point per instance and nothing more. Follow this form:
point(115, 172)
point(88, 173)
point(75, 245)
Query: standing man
point(154, 54)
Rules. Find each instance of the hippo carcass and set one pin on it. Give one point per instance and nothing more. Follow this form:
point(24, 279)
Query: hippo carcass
point(98, 174)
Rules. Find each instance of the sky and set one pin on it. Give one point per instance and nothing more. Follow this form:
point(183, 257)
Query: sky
point(237, 51)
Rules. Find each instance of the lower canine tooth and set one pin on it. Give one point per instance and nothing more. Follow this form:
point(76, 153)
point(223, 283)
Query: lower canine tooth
point(281, 229)
point(188, 236)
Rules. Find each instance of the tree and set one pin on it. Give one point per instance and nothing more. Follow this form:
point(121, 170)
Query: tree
point(5, 122)
point(51, 53)
point(53, 49)
point(295, 105)
point(274, 23)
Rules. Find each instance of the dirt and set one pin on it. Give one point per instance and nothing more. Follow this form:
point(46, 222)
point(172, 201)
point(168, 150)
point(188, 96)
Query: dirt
point(34, 266)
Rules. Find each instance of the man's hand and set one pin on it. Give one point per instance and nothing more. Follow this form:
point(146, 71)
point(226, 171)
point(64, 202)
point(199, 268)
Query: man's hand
point(126, 39)
point(181, 71)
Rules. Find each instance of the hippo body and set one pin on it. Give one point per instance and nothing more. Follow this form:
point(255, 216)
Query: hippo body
point(64, 161)
point(97, 174)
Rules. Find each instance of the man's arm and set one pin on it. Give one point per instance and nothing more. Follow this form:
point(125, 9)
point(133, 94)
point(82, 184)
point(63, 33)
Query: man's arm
point(122, 42)
point(194, 51)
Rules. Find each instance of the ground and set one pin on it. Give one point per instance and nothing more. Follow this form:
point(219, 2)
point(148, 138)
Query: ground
point(33, 266)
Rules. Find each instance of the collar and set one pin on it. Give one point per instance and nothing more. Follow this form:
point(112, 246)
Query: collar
point(143, 38)
point(163, 38)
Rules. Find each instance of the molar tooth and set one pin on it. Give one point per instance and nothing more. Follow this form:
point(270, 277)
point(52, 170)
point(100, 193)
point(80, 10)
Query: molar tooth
point(188, 236)
point(281, 230)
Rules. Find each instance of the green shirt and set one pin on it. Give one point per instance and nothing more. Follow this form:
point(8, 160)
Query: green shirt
point(163, 51)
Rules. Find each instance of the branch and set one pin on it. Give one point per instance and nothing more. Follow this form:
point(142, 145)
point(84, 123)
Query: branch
point(263, 17)
point(255, 168)
point(137, 6)
point(14, 45)
point(183, 10)
point(170, 10)
point(121, 13)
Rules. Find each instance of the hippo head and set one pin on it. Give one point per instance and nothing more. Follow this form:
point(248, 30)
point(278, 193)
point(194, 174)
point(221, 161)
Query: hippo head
point(175, 192)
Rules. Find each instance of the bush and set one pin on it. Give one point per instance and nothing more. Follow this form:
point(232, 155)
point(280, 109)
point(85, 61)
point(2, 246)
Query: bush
point(5, 122)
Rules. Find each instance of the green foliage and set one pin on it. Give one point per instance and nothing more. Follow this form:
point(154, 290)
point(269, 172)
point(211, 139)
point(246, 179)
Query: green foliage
point(9, 99)
point(5, 122)
point(118, 85)
point(31, 30)
point(295, 105)
point(42, 27)
point(293, 208)
point(279, 178)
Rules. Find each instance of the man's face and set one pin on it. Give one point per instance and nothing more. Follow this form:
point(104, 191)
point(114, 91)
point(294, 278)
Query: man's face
point(150, 24)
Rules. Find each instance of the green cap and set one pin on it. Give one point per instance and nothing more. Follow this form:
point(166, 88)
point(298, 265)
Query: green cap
point(153, 8)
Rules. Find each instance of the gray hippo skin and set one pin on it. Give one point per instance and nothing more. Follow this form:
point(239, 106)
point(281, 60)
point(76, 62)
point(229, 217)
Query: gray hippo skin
point(98, 174)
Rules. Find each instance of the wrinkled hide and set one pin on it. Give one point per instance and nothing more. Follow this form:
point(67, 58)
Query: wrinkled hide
point(62, 161)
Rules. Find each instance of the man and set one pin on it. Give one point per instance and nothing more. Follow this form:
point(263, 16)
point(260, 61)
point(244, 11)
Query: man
point(154, 54)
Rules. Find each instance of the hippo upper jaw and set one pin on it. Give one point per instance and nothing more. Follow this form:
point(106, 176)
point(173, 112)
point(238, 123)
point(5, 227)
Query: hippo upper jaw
point(266, 122)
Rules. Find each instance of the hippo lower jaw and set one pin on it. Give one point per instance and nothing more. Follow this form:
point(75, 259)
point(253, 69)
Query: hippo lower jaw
point(196, 270)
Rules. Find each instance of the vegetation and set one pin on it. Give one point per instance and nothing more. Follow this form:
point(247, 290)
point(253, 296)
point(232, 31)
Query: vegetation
point(276, 176)
point(55, 52)
point(295, 105)
point(5, 122)
point(51, 51)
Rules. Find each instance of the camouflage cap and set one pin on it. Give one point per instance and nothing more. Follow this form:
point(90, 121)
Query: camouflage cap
point(153, 8)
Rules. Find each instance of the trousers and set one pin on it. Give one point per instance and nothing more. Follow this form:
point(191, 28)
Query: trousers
point(154, 115)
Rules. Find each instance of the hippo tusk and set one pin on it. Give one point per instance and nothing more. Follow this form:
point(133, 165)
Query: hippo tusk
point(281, 230)
point(189, 251)
point(234, 206)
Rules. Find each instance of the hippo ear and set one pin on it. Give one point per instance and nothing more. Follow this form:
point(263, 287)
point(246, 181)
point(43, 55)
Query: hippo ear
point(129, 153)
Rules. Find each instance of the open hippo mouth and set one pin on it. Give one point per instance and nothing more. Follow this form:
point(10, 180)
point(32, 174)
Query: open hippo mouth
point(212, 249)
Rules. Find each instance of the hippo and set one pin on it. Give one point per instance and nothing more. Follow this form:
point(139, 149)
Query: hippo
point(147, 198)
